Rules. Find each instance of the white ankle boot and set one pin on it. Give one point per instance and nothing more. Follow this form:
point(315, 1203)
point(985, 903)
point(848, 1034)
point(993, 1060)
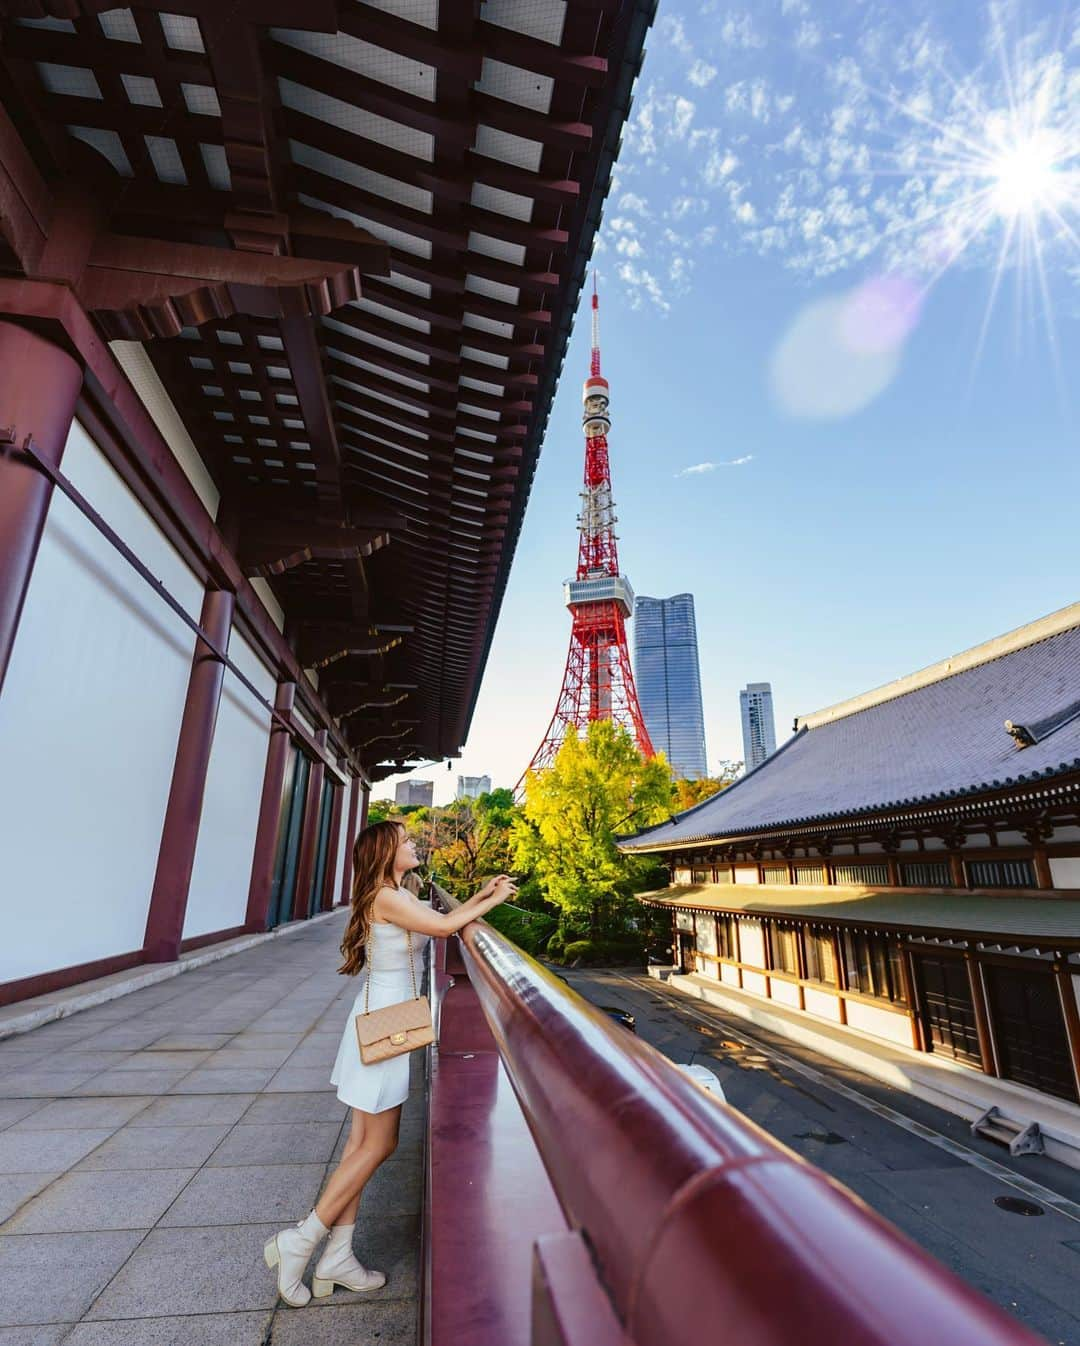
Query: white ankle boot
point(338, 1266)
point(290, 1251)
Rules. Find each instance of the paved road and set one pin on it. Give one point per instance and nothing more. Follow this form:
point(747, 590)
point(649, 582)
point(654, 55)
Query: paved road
point(937, 1193)
point(150, 1146)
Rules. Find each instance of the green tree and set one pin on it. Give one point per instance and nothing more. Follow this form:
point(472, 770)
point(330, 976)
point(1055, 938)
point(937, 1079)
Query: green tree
point(691, 792)
point(381, 809)
point(598, 788)
point(465, 842)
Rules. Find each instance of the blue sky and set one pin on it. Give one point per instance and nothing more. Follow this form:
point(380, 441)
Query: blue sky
point(840, 293)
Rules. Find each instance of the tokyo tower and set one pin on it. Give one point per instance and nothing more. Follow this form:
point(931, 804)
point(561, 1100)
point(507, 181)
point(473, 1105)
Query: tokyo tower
point(598, 683)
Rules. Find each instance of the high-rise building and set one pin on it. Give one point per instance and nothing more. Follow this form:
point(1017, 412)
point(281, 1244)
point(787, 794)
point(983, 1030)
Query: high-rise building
point(668, 679)
point(471, 787)
point(758, 726)
point(415, 792)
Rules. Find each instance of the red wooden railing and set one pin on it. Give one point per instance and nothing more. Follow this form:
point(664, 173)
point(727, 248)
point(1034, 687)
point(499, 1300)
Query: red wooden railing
point(610, 1200)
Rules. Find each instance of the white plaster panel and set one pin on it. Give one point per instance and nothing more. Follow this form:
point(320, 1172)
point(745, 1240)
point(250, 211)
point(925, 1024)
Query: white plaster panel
point(746, 874)
point(752, 943)
point(1065, 871)
point(755, 982)
point(89, 718)
point(882, 1023)
point(822, 1003)
point(217, 898)
point(133, 359)
point(269, 602)
point(729, 975)
point(784, 992)
point(345, 841)
point(682, 876)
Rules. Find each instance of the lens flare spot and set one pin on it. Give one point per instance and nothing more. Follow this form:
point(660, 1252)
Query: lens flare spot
point(819, 374)
point(880, 314)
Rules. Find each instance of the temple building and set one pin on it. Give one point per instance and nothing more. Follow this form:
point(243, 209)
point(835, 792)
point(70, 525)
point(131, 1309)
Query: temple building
point(285, 290)
point(906, 868)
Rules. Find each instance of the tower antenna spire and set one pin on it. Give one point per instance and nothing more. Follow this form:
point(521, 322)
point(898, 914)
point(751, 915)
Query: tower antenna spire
point(598, 682)
point(595, 363)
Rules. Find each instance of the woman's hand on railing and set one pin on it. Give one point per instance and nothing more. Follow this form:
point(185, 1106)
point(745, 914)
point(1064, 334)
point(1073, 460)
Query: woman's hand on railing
point(489, 888)
point(459, 914)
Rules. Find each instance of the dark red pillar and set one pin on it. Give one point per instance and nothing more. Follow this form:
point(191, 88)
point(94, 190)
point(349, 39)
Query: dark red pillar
point(268, 831)
point(39, 386)
point(365, 791)
point(345, 895)
point(309, 836)
point(168, 901)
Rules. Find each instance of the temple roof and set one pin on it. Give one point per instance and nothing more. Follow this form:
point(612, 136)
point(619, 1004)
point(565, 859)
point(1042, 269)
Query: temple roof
point(1043, 918)
point(351, 237)
point(935, 736)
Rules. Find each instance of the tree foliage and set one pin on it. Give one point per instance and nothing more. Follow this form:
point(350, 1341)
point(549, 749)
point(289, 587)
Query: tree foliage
point(691, 792)
point(465, 842)
point(599, 787)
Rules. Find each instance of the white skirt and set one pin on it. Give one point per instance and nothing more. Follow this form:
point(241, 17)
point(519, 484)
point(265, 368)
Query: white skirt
point(382, 1084)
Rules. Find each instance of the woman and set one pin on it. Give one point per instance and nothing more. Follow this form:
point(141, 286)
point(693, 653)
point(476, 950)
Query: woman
point(386, 919)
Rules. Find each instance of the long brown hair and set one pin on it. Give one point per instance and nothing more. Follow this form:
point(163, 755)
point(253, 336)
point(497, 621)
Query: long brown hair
point(373, 868)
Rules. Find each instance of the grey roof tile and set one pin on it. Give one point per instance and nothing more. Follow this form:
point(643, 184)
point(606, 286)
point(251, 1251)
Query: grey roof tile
point(941, 741)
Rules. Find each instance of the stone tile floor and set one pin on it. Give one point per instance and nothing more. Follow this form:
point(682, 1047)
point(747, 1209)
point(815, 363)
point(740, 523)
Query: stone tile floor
point(149, 1147)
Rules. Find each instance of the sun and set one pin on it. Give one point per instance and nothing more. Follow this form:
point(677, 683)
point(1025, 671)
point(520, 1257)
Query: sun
point(1025, 177)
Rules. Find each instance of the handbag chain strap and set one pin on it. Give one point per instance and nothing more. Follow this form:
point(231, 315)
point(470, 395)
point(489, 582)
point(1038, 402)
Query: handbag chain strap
point(412, 967)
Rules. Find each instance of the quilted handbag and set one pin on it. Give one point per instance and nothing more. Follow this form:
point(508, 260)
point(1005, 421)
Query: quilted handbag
point(396, 1029)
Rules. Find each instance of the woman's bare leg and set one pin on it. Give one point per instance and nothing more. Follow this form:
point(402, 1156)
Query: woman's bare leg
point(347, 1182)
point(354, 1141)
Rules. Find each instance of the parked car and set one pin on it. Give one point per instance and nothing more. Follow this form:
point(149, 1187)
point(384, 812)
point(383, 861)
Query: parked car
point(620, 1016)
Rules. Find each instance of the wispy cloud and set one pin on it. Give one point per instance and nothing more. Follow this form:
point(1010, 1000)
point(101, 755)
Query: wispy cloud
point(698, 469)
point(701, 73)
point(829, 140)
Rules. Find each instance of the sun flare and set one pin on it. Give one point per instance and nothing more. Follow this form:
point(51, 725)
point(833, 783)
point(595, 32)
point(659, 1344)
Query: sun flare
point(1027, 177)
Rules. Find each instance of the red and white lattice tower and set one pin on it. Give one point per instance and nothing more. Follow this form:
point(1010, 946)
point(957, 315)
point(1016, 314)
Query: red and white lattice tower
point(598, 683)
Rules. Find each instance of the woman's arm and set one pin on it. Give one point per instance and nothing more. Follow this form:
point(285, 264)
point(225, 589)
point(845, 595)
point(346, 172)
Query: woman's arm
point(412, 915)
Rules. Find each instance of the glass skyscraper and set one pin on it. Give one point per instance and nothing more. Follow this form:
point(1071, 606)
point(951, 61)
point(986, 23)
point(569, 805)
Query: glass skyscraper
point(758, 726)
point(668, 680)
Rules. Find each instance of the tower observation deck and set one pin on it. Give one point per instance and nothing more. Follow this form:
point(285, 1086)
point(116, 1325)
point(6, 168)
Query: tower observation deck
point(598, 681)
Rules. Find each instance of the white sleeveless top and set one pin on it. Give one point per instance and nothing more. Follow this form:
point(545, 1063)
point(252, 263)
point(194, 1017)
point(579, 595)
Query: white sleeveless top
point(388, 953)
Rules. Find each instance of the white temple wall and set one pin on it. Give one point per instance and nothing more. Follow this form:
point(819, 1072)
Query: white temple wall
point(217, 899)
point(89, 717)
point(1065, 871)
point(345, 841)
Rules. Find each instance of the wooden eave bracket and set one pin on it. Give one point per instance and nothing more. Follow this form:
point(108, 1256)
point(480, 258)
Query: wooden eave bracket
point(270, 551)
point(333, 641)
